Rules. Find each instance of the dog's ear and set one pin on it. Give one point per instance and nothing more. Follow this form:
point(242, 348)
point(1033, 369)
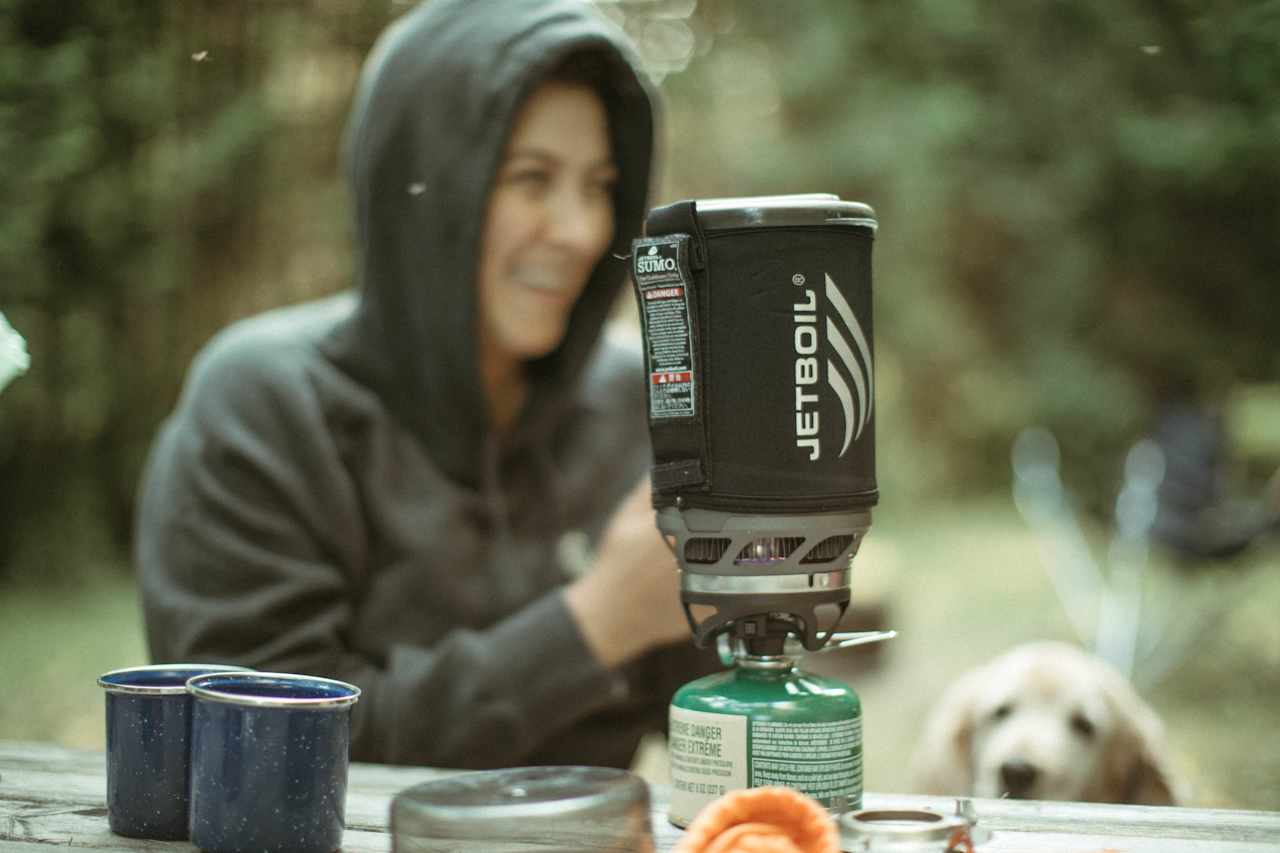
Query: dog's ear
point(943, 761)
point(1136, 763)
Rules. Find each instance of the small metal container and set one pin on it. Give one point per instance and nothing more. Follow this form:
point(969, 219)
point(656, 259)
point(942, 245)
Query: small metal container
point(904, 831)
point(525, 809)
point(148, 748)
point(269, 759)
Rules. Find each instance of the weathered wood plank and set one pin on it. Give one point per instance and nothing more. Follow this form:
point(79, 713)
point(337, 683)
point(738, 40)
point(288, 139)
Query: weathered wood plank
point(51, 795)
point(1048, 842)
point(1121, 820)
point(1043, 827)
point(1114, 821)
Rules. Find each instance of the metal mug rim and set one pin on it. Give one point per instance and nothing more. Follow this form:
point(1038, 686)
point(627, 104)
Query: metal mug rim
point(163, 689)
point(901, 824)
point(212, 694)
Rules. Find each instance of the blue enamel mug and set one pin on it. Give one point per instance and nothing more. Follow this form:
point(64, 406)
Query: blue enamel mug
point(148, 748)
point(269, 757)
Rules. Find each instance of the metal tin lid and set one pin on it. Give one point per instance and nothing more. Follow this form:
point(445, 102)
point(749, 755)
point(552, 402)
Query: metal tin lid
point(901, 830)
point(722, 214)
point(526, 809)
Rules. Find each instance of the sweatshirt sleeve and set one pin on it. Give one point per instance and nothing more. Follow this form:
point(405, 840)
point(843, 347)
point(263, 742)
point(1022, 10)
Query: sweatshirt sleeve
point(250, 544)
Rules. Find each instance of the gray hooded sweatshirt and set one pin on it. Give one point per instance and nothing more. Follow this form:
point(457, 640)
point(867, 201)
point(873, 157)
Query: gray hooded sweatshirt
point(328, 497)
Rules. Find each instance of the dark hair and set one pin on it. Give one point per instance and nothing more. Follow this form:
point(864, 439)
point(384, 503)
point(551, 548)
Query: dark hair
point(588, 67)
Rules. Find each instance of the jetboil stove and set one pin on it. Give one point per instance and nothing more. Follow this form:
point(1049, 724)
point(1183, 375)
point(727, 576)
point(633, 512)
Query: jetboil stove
point(757, 325)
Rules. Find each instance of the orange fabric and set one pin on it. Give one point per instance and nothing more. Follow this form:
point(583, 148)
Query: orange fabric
point(761, 820)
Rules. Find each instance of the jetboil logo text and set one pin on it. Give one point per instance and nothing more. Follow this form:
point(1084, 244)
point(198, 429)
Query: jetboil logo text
point(841, 327)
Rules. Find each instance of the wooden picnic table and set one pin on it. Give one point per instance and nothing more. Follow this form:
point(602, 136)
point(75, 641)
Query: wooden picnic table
point(51, 795)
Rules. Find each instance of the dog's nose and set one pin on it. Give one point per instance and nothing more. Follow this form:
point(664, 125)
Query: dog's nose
point(1018, 777)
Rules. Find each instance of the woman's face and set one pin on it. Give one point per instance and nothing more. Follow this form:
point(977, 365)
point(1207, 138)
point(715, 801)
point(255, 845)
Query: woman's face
point(549, 221)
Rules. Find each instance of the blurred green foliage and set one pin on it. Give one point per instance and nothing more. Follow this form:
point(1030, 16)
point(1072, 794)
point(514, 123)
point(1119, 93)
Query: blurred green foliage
point(1079, 205)
point(152, 156)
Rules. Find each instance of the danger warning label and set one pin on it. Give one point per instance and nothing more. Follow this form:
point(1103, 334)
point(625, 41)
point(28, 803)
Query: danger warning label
point(708, 754)
point(659, 265)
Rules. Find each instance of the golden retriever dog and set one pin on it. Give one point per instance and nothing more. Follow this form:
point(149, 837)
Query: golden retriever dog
point(1045, 721)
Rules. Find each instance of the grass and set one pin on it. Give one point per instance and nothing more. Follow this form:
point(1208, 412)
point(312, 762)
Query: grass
point(961, 586)
point(54, 643)
point(964, 585)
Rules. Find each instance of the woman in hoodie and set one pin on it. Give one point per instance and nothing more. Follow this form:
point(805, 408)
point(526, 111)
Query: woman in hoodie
point(435, 487)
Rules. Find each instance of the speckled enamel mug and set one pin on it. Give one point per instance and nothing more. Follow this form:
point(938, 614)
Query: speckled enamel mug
point(148, 748)
point(269, 757)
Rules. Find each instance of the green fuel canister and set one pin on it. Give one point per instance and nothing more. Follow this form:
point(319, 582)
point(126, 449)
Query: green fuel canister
point(763, 722)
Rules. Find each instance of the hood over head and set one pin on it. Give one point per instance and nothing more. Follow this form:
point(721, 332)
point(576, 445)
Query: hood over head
point(433, 111)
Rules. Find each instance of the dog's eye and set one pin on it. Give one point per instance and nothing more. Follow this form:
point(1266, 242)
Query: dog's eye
point(1003, 711)
point(1082, 725)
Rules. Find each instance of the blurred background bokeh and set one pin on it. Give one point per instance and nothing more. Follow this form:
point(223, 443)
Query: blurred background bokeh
point(1078, 256)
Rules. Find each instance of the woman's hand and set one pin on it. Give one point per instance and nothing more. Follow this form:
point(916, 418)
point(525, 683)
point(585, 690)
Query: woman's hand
point(629, 601)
